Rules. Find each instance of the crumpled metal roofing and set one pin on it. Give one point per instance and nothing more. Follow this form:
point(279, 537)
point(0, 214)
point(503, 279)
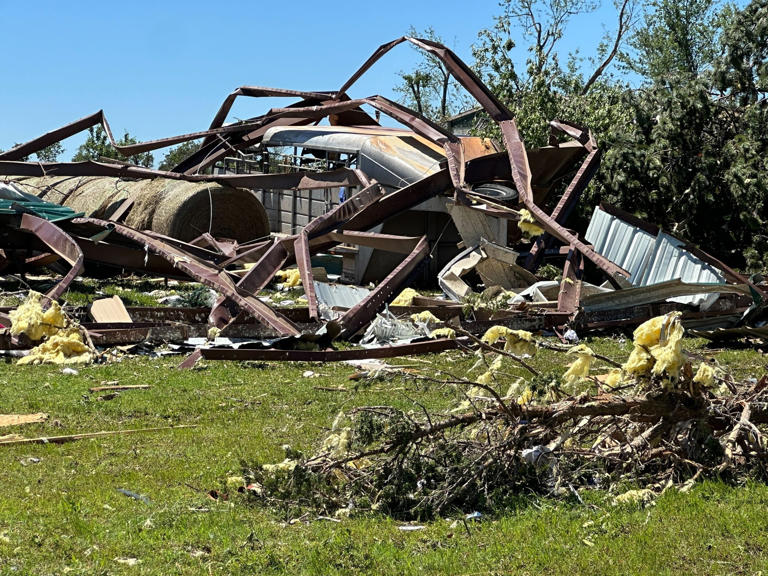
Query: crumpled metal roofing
point(650, 259)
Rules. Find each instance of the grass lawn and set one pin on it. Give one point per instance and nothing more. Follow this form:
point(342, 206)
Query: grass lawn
point(61, 511)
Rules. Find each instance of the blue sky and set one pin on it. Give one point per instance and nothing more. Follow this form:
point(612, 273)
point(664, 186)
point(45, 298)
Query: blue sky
point(162, 68)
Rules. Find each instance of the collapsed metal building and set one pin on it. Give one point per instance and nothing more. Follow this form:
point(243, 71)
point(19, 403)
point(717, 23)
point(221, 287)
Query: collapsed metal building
point(419, 204)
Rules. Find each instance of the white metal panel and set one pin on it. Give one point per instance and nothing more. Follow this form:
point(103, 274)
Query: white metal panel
point(650, 260)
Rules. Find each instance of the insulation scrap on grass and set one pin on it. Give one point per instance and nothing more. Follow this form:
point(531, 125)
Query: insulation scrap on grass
point(30, 318)
point(337, 443)
point(64, 342)
point(658, 347)
point(64, 347)
point(641, 497)
point(518, 342)
point(578, 371)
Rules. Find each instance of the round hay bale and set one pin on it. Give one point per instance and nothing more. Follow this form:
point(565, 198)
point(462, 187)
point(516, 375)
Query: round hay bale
point(182, 210)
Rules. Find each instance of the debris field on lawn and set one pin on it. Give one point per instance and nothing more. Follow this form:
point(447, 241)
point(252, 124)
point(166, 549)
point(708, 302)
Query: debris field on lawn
point(357, 229)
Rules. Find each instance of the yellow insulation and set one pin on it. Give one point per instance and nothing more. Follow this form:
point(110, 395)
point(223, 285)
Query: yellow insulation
point(290, 278)
point(30, 318)
point(578, 371)
point(443, 333)
point(705, 375)
point(405, 298)
point(425, 317)
point(528, 224)
point(639, 362)
point(62, 345)
point(518, 342)
point(337, 444)
point(658, 347)
point(613, 378)
point(65, 347)
point(669, 353)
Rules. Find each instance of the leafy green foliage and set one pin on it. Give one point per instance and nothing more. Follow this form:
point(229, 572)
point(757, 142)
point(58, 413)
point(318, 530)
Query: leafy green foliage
point(50, 153)
point(688, 149)
point(696, 159)
point(676, 42)
point(545, 89)
point(63, 513)
point(97, 146)
point(175, 155)
point(429, 88)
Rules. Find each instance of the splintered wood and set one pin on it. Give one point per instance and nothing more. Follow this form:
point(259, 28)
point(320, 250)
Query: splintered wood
point(19, 419)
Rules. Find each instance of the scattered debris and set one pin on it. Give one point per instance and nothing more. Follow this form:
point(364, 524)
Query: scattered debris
point(641, 497)
point(19, 419)
point(109, 310)
point(421, 207)
point(662, 423)
point(214, 228)
point(120, 387)
point(88, 435)
point(411, 528)
point(134, 495)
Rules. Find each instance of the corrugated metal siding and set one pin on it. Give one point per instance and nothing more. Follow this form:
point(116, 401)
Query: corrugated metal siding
point(650, 260)
point(623, 244)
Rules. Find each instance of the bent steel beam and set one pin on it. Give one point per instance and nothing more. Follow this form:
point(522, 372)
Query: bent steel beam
point(359, 315)
point(203, 273)
point(59, 242)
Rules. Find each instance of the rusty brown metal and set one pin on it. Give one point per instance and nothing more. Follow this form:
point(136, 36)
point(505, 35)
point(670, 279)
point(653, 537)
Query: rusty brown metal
point(573, 192)
point(360, 315)
point(279, 253)
point(522, 177)
point(570, 286)
point(344, 211)
point(304, 262)
point(463, 74)
point(387, 242)
point(60, 243)
point(203, 273)
point(37, 144)
point(394, 351)
point(132, 258)
point(226, 309)
point(350, 222)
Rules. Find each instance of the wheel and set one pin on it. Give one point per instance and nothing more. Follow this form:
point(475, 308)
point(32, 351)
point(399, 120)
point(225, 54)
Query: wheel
point(497, 192)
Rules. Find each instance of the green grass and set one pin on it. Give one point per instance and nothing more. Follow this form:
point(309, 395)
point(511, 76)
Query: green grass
point(64, 513)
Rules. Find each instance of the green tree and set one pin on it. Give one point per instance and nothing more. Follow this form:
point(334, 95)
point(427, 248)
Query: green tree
point(677, 41)
point(544, 89)
point(697, 161)
point(97, 146)
point(175, 155)
point(429, 88)
point(50, 153)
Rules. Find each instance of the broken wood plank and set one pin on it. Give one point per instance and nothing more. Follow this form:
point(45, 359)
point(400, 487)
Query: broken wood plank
point(109, 310)
point(18, 419)
point(120, 387)
point(87, 435)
